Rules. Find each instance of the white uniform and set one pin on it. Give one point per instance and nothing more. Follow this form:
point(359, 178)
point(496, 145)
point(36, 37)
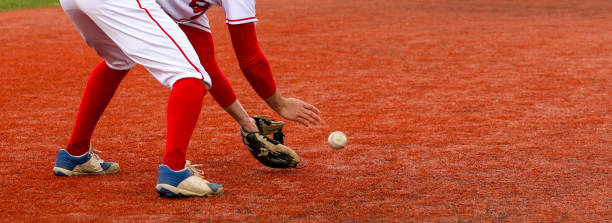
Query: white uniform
point(126, 32)
point(191, 12)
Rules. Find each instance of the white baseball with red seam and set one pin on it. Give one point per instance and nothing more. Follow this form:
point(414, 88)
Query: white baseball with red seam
point(336, 140)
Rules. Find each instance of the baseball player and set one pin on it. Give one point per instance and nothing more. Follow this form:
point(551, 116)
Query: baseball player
point(125, 33)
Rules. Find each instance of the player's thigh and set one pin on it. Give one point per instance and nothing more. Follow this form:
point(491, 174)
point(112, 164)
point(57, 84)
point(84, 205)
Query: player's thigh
point(148, 36)
point(96, 38)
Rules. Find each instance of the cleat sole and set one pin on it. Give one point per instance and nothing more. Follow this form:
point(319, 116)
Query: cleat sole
point(163, 192)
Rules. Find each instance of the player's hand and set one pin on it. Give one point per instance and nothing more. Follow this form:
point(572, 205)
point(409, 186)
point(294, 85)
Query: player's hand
point(297, 110)
point(294, 109)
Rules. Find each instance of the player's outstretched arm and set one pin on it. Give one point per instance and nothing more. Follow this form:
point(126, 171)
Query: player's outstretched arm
point(241, 116)
point(256, 69)
point(251, 60)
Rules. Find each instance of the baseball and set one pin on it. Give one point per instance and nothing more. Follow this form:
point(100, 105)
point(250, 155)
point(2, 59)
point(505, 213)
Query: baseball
point(336, 140)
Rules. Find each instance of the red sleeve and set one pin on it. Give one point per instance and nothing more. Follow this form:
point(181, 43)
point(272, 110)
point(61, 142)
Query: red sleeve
point(202, 42)
point(253, 63)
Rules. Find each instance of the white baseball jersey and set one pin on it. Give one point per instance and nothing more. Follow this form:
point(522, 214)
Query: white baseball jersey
point(191, 12)
point(126, 32)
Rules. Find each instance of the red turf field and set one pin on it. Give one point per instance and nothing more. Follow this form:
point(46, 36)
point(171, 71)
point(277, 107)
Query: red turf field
point(456, 111)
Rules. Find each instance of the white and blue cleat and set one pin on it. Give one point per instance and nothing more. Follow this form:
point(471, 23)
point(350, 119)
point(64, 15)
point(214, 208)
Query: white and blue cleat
point(88, 163)
point(184, 183)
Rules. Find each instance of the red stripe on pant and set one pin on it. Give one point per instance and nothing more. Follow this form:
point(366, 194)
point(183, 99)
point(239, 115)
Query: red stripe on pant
point(176, 44)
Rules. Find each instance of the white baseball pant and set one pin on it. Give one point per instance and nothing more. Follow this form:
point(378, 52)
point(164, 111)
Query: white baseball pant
point(126, 32)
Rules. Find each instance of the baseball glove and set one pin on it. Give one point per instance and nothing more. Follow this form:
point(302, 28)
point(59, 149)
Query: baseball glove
point(271, 127)
point(269, 152)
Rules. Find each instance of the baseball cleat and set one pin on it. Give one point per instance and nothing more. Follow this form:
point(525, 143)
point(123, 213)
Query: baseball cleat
point(184, 183)
point(88, 163)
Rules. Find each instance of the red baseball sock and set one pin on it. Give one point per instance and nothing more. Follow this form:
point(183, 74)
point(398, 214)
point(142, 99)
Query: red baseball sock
point(253, 63)
point(202, 42)
point(184, 107)
point(101, 87)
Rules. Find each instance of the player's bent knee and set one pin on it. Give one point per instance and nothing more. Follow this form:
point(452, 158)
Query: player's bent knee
point(191, 82)
point(170, 80)
point(120, 65)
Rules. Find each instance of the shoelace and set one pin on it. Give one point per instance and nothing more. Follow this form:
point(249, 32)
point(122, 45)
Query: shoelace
point(94, 155)
point(193, 169)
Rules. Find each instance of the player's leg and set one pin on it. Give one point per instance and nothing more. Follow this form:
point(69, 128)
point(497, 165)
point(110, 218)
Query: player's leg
point(149, 37)
point(102, 82)
point(100, 88)
point(184, 105)
point(146, 36)
point(78, 158)
point(176, 176)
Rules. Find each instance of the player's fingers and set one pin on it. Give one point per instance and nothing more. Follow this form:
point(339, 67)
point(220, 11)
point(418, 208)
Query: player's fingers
point(309, 119)
point(312, 108)
point(302, 121)
point(312, 116)
point(313, 113)
point(317, 114)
